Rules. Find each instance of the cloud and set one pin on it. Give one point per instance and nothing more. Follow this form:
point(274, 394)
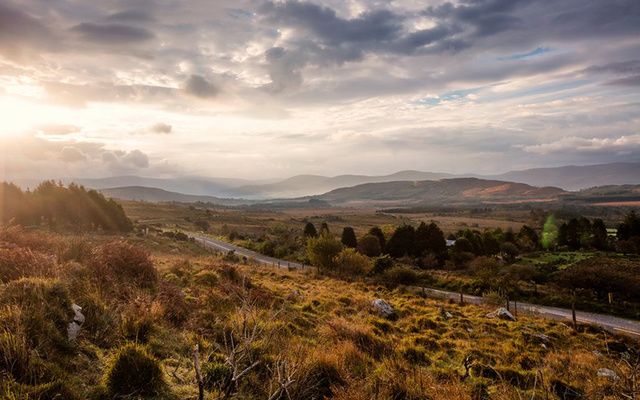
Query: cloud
point(71, 154)
point(198, 86)
point(58, 130)
point(161, 127)
point(22, 34)
point(131, 16)
point(112, 34)
point(574, 144)
point(136, 158)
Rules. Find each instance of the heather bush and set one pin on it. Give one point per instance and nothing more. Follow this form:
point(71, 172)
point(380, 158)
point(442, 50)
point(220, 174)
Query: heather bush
point(123, 262)
point(132, 372)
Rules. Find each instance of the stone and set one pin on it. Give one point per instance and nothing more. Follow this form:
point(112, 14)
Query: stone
point(445, 314)
point(502, 313)
point(607, 373)
point(74, 326)
point(383, 308)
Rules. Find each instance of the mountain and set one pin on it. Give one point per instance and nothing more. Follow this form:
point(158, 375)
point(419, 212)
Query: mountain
point(576, 177)
point(443, 192)
point(156, 195)
point(306, 185)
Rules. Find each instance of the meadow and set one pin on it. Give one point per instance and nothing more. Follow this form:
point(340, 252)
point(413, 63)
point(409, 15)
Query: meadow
point(148, 300)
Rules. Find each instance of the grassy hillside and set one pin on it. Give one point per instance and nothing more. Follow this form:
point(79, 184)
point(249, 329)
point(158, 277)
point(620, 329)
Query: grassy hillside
point(264, 333)
point(457, 191)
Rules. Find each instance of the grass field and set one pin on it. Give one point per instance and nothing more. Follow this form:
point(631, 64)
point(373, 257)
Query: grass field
point(283, 324)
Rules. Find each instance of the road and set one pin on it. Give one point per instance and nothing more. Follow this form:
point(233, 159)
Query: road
point(225, 247)
point(612, 324)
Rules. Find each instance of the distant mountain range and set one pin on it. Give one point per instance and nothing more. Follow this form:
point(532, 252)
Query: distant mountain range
point(155, 195)
point(567, 178)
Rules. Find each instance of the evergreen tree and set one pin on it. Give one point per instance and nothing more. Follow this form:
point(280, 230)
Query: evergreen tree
point(377, 232)
point(349, 237)
point(310, 230)
point(401, 242)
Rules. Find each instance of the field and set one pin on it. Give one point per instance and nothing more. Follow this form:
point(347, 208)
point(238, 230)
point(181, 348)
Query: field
point(282, 323)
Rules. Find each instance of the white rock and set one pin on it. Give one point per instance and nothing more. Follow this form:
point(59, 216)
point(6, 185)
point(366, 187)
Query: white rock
point(74, 326)
point(502, 313)
point(383, 308)
point(607, 373)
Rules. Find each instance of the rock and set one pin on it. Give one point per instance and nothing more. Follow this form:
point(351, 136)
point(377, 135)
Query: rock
point(607, 373)
point(74, 326)
point(445, 314)
point(383, 308)
point(565, 391)
point(502, 313)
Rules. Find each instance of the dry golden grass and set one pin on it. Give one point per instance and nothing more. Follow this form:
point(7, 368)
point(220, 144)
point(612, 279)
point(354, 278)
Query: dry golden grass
point(279, 332)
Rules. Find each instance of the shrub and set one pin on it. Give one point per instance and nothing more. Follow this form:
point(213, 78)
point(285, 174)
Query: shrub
point(133, 372)
point(207, 278)
point(322, 251)
point(75, 250)
point(400, 275)
point(17, 262)
point(349, 263)
point(216, 374)
point(369, 245)
point(47, 309)
point(317, 380)
point(382, 264)
point(174, 303)
point(121, 261)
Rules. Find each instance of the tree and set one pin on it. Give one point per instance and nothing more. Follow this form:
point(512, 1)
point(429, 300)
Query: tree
point(324, 228)
point(310, 230)
point(349, 237)
point(369, 245)
point(322, 250)
point(599, 235)
point(549, 233)
point(377, 232)
point(401, 242)
point(509, 251)
point(630, 227)
point(527, 238)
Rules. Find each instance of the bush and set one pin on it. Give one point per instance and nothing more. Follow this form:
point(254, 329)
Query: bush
point(121, 261)
point(369, 245)
point(350, 263)
point(133, 372)
point(400, 275)
point(16, 263)
point(216, 375)
point(322, 251)
point(47, 310)
point(382, 264)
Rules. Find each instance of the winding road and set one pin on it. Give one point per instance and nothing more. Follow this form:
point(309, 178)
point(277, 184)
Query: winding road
point(611, 324)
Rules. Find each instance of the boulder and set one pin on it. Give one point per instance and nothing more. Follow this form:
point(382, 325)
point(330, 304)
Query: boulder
point(74, 326)
point(445, 314)
point(607, 373)
point(502, 313)
point(383, 308)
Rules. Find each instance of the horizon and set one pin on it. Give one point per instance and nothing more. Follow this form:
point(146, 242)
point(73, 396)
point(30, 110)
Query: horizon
point(263, 90)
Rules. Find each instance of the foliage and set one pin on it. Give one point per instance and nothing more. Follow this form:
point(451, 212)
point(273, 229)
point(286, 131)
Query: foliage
point(121, 261)
point(310, 230)
point(351, 263)
point(60, 207)
point(369, 245)
point(322, 251)
point(133, 372)
point(348, 238)
point(402, 242)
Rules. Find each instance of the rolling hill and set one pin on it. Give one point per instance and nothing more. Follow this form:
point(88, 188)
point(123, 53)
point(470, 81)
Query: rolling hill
point(442, 192)
point(156, 195)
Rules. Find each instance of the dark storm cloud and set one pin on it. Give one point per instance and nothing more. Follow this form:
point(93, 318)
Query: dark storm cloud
point(198, 86)
point(112, 33)
point(21, 33)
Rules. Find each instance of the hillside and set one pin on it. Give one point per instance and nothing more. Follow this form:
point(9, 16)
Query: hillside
point(258, 330)
point(575, 177)
point(305, 185)
point(156, 195)
point(450, 191)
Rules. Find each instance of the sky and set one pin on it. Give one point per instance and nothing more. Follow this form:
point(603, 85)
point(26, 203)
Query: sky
point(262, 89)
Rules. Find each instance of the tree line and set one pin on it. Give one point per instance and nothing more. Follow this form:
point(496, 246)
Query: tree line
point(55, 206)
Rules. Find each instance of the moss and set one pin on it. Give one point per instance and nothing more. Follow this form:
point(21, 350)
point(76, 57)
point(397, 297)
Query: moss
point(133, 372)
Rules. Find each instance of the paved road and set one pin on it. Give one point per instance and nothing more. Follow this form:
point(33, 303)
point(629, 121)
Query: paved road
point(225, 247)
point(612, 324)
